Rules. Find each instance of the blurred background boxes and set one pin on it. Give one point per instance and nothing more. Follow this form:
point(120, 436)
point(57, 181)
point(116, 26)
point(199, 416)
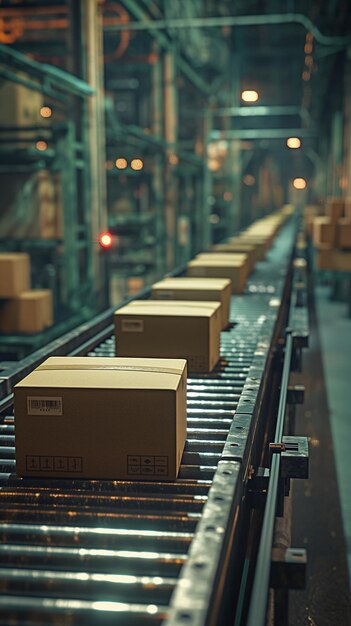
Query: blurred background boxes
point(14, 274)
point(30, 312)
point(324, 231)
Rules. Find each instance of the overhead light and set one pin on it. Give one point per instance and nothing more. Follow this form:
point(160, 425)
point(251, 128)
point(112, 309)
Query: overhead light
point(41, 145)
point(121, 163)
point(293, 142)
point(136, 164)
point(249, 95)
point(46, 112)
point(299, 183)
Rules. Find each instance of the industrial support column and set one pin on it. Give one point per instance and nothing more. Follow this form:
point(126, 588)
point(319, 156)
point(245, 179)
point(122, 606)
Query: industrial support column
point(203, 218)
point(171, 136)
point(234, 152)
point(158, 187)
point(93, 29)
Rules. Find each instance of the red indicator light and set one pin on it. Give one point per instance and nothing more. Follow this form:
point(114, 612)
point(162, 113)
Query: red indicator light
point(105, 240)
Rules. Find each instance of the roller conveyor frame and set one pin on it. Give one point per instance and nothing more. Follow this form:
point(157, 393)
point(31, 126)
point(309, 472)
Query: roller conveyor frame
point(81, 552)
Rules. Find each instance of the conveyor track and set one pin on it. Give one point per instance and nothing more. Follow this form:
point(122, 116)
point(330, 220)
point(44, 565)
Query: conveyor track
point(124, 552)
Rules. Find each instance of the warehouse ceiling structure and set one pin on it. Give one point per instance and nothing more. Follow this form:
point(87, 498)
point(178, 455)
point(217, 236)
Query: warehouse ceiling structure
point(145, 100)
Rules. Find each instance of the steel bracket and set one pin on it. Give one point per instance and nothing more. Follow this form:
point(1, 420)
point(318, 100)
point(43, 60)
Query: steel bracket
point(294, 456)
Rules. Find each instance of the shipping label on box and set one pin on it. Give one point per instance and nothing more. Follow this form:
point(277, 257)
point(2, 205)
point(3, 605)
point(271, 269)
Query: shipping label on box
point(186, 288)
point(101, 418)
point(164, 329)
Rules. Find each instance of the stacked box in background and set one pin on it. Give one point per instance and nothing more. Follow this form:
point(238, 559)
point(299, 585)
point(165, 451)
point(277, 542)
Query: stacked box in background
point(22, 309)
point(331, 236)
point(33, 208)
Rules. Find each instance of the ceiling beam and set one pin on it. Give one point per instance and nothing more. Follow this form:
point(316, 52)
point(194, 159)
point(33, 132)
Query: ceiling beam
point(237, 20)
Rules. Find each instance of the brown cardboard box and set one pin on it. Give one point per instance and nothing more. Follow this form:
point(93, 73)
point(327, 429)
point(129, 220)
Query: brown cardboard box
point(83, 417)
point(343, 233)
point(31, 312)
point(181, 305)
point(205, 289)
point(347, 207)
point(235, 248)
point(14, 274)
point(153, 329)
point(335, 208)
point(234, 257)
point(236, 271)
point(325, 258)
point(324, 231)
point(260, 243)
point(342, 261)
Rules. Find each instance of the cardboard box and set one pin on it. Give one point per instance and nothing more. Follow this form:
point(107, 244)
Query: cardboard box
point(260, 244)
point(31, 312)
point(324, 231)
point(335, 208)
point(343, 233)
point(170, 330)
point(236, 271)
point(347, 208)
point(101, 418)
point(14, 274)
point(324, 258)
point(205, 289)
point(235, 248)
point(342, 261)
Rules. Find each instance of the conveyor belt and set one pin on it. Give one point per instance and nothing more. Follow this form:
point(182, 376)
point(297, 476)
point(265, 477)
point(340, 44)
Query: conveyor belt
point(123, 552)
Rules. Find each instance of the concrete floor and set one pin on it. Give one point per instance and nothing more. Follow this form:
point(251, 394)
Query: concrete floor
point(321, 505)
point(335, 337)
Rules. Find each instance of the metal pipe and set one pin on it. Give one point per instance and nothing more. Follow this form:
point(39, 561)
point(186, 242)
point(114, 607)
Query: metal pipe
point(237, 20)
point(248, 111)
point(61, 80)
point(258, 600)
point(263, 133)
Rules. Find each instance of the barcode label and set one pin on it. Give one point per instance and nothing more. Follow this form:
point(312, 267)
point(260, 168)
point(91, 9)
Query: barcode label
point(41, 405)
point(132, 326)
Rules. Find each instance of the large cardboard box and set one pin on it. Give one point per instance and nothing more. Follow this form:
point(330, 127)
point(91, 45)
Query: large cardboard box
point(14, 274)
point(343, 233)
point(170, 330)
point(235, 248)
point(205, 289)
point(324, 231)
point(236, 271)
point(103, 418)
point(31, 312)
